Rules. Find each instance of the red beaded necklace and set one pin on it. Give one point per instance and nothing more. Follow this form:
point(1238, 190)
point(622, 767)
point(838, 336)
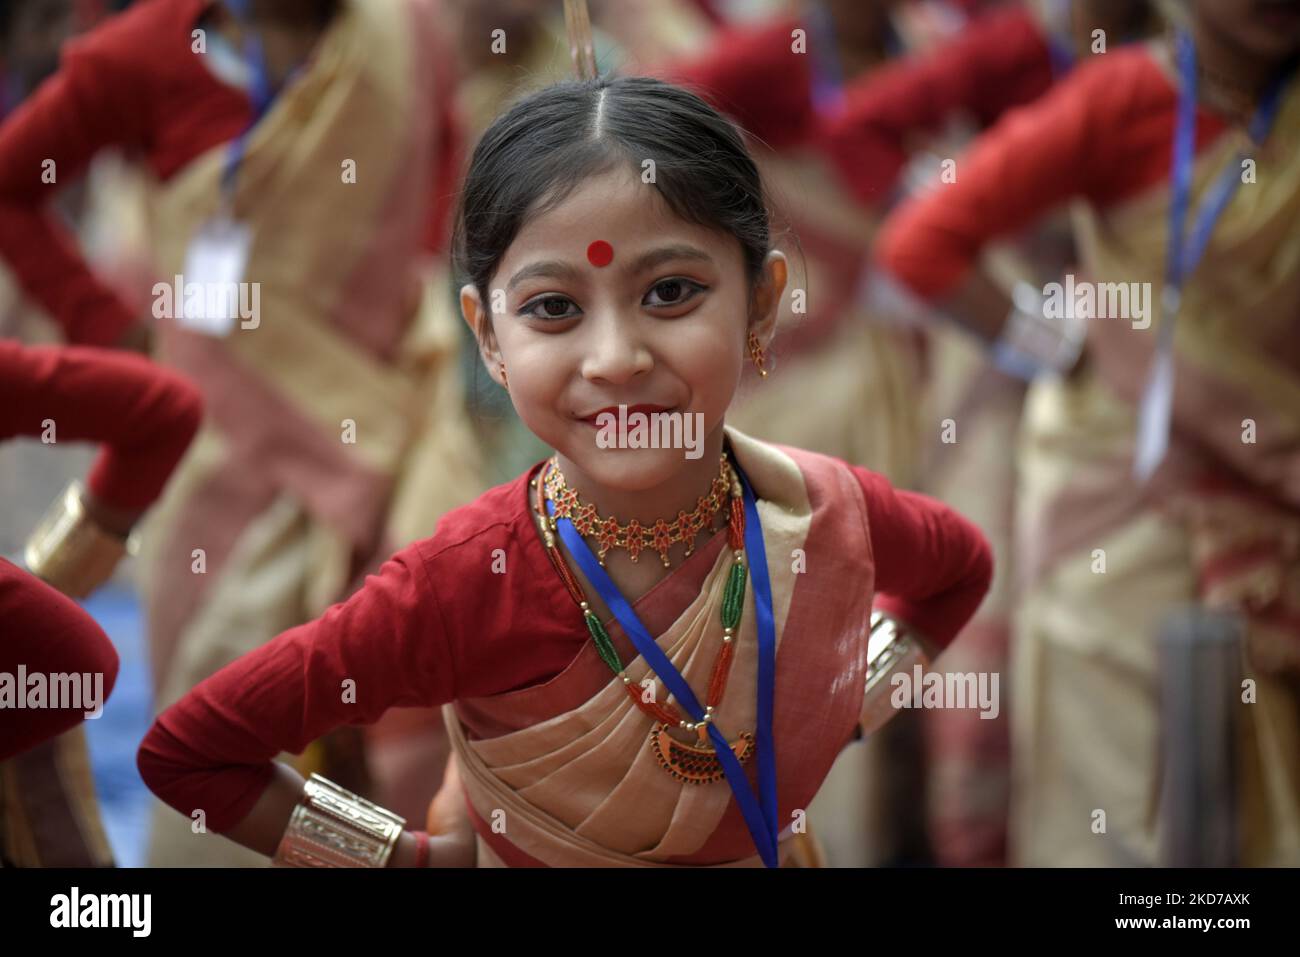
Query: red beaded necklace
point(689, 763)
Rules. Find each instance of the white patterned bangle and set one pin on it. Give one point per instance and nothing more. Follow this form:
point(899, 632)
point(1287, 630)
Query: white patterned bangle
point(1031, 343)
point(889, 644)
point(892, 647)
point(332, 827)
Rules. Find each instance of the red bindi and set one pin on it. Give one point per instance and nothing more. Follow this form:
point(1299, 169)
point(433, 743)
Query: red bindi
point(600, 253)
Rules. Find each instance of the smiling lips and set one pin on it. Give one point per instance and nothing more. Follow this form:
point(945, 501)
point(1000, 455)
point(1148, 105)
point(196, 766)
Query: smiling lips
point(613, 410)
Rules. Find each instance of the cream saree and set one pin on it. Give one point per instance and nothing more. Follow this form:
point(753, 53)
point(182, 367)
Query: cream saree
point(562, 774)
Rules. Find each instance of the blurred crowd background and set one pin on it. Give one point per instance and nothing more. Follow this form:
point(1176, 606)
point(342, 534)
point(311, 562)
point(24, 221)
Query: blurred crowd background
point(863, 130)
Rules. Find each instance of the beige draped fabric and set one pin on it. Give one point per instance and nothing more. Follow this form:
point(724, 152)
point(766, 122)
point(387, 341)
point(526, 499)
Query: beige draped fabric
point(582, 787)
point(1106, 558)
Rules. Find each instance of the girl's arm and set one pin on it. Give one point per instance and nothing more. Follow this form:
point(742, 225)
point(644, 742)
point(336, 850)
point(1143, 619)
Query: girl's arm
point(933, 566)
point(213, 751)
point(144, 416)
point(749, 72)
point(95, 100)
point(1070, 142)
point(45, 632)
point(999, 61)
point(265, 824)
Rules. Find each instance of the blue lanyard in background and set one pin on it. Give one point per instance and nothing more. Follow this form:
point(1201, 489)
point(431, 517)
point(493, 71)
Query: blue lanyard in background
point(828, 81)
point(260, 93)
point(1060, 39)
point(1185, 251)
point(827, 73)
point(1185, 255)
point(760, 814)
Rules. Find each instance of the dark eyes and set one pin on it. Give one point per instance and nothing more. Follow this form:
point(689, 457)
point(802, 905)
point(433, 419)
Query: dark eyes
point(662, 295)
point(673, 292)
point(553, 307)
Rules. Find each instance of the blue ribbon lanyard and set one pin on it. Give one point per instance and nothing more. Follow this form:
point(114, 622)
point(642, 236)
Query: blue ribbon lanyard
point(1185, 251)
point(828, 81)
point(827, 73)
point(260, 93)
point(1060, 39)
point(760, 813)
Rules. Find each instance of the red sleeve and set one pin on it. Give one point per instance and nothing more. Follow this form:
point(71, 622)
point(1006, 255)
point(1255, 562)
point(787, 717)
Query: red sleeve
point(1034, 159)
point(1103, 134)
point(753, 76)
point(1000, 61)
point(144, 414)
point(933, 566)
point(384, 647)
point(90, 103)
point(45, 632)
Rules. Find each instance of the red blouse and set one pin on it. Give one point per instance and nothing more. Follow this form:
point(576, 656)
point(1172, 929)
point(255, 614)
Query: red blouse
point(1102, 134)
point(999, 61)
point(438, 623)
point(45, 632)
point(144, 415)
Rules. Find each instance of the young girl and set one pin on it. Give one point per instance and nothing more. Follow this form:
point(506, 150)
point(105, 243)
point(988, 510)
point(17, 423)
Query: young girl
point(687, 626)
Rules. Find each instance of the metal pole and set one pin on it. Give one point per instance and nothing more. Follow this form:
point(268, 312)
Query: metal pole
point(1200, 658)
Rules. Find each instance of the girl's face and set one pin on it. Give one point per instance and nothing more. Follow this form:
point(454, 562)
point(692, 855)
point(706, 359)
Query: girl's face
point(663, 325)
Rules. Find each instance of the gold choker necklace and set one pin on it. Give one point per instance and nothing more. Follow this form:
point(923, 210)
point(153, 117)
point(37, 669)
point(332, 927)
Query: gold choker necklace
point(659, 536)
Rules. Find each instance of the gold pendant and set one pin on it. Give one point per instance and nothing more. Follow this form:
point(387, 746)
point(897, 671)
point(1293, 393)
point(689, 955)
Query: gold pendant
point(691, 764)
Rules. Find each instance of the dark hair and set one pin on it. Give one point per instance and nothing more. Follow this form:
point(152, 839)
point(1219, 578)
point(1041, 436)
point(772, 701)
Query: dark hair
point(540, 149)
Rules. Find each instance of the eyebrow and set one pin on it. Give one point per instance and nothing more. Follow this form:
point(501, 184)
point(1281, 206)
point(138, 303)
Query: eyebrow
point(557, 269)
point(551, 268)
point(663, 254)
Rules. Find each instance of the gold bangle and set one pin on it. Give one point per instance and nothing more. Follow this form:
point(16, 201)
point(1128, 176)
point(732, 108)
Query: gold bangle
point(69, 550)
point(332, 827)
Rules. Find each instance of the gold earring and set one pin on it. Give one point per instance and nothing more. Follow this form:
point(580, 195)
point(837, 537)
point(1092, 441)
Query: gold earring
point(504, 379)
point(758, 354)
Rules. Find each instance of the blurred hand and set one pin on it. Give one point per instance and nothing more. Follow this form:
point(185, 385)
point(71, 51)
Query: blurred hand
point(452, 842)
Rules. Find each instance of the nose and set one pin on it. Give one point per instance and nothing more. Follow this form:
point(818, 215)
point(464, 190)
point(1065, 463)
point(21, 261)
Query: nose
point(614, 351)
